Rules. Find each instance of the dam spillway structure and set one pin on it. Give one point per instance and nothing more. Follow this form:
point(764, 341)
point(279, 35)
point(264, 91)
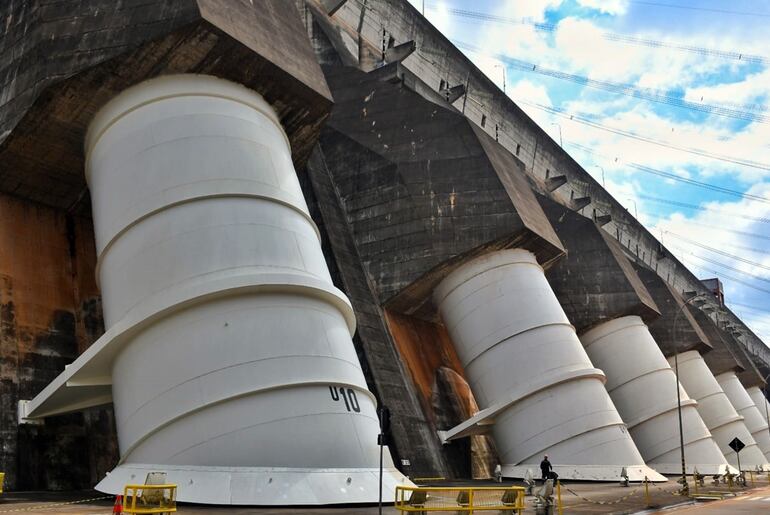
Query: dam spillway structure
point(528, 371)
point(228, 353)
point(609, 306)
point(412, 165)
point(519, 354)
point(739, 385)
point(760, 401)
point(746, 407)
point(224, 330)
point(700, 359)
point(735, 373)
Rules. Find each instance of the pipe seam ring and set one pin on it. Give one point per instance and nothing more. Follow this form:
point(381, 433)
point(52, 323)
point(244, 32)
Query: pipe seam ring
point(154, 429)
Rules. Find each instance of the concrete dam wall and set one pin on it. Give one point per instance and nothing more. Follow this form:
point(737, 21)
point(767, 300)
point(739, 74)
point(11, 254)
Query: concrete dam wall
point(230, 238)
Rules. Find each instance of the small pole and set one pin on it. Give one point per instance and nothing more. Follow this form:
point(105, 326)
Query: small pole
point(558, 496)
point(380, 498)
point(384, 416)
point(647, 491)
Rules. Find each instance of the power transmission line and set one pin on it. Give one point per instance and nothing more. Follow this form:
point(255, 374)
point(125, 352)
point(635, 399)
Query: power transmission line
point(723, 265)
point(714, 228)
point(701, 208)
point(648, 94)
point(718, 251)
point(678, 178)
point(750, 307)
point(610, 36)
point(695, 8)
point(722, 275)
point(584, 120)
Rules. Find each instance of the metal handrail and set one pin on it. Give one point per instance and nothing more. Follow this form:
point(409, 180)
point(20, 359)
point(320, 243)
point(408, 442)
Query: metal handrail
point(459, 499)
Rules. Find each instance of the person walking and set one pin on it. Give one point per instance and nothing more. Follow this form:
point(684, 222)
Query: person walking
point(546, 468)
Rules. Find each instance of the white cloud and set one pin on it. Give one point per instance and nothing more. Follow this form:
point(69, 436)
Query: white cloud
point(746, 91)
point(706, 228)
point(580, 46)
point(614, 7)
point(528, 90)
point(530, 9)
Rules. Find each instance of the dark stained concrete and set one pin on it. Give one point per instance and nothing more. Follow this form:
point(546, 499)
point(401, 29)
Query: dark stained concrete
point(594, 282)
point(407, 188)
point(95, 49)
point(676, 330)
point(423, 188)
point(60, 61)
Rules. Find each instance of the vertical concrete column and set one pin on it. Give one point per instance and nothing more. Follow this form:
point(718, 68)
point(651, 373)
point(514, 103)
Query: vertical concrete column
point(716, 410)
point(744, 405)
point(235, 371)
point(643, 387)
point(520, 351)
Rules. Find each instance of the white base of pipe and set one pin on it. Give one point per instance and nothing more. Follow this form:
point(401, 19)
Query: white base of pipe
point(672, 469)
point(587, 472)
point(263, 486)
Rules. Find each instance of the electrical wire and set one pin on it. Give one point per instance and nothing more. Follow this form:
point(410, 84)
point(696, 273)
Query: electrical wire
point(584, 120)
point(718, 251)
point(750, 307)
point(695, 8)
point(610, 36)
point(648, 94)
point(722, 275)
point(723, 265)
point(675, 177)
point(701, 208)
point(713, 227)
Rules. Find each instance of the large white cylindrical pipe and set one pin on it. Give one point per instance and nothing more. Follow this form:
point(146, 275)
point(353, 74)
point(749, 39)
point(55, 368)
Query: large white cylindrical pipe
point(239, 379)
point(519, 349)
point(643, 387)
point(716, 410)
point(744, 405)
point(760, 401)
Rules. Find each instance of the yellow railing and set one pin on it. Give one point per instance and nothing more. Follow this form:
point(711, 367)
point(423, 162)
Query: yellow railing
point(422, 500)
point(2, 480)
point(143, 499)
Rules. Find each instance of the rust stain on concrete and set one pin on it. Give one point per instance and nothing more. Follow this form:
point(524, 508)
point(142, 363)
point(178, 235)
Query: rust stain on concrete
point(50, 312)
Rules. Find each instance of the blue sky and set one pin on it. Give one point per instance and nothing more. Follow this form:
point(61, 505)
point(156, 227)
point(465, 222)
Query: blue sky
point(577, 43)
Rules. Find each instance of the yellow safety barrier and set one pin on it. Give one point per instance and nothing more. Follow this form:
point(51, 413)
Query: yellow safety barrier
point(2, 480)
point(421, 500)
point(144, 499)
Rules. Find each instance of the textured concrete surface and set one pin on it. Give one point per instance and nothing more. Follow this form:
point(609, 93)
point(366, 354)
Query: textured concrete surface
point(50, 312)
point(676, 330)
point(423, 188)
point(437, 61)
point(594, 282)
point(95, 49)
point(60, 61)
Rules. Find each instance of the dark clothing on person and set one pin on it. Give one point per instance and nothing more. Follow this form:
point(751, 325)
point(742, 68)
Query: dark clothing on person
point(546, 468)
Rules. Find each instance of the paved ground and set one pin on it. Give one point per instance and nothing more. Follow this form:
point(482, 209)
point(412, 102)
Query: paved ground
point(755, 501)
point(583, 498)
